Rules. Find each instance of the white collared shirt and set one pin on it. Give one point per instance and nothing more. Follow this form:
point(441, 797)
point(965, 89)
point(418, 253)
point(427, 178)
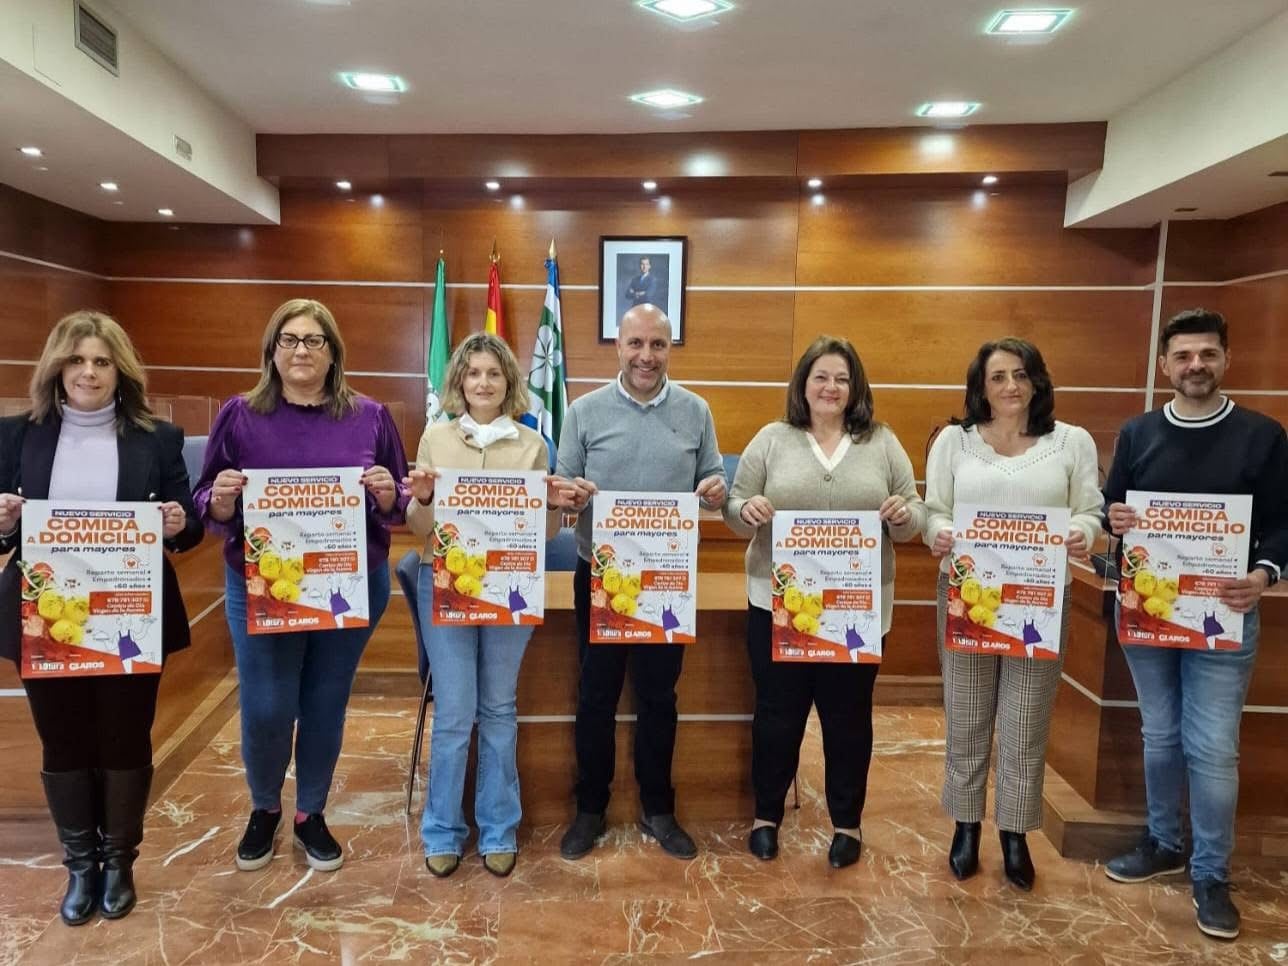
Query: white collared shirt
point(655, 401)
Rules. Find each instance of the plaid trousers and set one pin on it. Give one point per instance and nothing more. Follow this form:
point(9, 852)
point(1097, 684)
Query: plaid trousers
point(1017, 693)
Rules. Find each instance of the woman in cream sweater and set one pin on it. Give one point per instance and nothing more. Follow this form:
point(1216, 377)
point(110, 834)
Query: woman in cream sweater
point(828, 454)
point(1009, 450)
point(476, 669)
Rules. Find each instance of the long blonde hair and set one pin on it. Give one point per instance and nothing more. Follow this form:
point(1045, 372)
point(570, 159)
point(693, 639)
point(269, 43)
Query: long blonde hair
point(516, 400)
point(264, 398)
point(46, 390)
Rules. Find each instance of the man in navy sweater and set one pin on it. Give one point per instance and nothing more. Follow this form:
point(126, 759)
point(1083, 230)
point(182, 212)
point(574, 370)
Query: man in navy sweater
point(1191, 701)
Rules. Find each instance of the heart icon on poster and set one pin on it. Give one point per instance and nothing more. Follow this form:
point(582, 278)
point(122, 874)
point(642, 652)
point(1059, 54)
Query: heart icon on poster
point(131, 563)
point(673, 544)
point(338, 523)
point(1039, 560)
point(1219, 550)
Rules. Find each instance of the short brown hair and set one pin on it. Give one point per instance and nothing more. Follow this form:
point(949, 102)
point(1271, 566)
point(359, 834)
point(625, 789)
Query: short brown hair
point(516, 401)
point(859, 408)
point(1194, 322)
point(264, 398)
point(46, 390)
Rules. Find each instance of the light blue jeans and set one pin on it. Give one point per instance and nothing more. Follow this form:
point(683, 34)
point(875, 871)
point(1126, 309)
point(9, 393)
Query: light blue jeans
point(295, 687)
point(476, 672)
point(1191, 705)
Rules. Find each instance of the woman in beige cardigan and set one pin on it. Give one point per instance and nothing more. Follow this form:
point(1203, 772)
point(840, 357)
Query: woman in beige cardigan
point(828, 454)
point(476, 669)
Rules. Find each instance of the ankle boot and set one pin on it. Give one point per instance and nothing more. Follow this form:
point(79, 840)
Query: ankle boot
point(963, 857)
point(125, 799)
point(71, 803)
point(1016, 860)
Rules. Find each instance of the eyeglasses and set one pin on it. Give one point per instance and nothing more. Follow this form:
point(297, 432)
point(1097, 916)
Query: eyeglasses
point(313, 341)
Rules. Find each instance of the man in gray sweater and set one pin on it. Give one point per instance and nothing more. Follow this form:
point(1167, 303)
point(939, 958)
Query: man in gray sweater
point(641, 432)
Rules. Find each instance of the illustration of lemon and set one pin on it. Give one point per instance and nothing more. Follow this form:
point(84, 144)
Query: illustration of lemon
point(476, 566)
point(1157, 607)
point(76, 609)
point(1167, 589)
point(612, 580)
point(971, 589)
point(456, 561)
point(631, 585)
point(293, 569)
point(50, 604)
point(66, 632)
point(793, 600)
point(623, 604)
point(1145, 583)
point(469, 585)
point(805, 623)
point(270, 565)
point(991, 597)
point(981, 615)
point(283, 590)
point(813, 605)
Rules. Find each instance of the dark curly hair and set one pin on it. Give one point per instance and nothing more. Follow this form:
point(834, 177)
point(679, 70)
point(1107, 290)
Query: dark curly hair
point(859, 408)
point(1041, 406)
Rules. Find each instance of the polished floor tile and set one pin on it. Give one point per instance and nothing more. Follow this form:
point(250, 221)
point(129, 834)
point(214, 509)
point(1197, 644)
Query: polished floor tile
point(627, 902)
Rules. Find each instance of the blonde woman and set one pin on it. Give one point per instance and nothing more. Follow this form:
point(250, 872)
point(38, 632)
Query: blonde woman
point(294, 687)
point(476, 669)
point(89, 409)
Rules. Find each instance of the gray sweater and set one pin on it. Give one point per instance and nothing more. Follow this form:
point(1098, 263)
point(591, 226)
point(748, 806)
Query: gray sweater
point(780, 465)
point(619, 444)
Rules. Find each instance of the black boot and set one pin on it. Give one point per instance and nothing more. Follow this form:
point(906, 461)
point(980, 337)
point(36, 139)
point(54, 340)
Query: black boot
point(125, 799)
point(1016, 860)
point(963, 858)
point(71, 803)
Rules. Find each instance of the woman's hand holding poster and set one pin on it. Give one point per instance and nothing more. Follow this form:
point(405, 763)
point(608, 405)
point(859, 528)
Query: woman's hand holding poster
point(1006, 580)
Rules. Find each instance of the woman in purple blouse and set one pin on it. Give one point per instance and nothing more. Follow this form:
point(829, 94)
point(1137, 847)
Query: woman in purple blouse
point(301, 415)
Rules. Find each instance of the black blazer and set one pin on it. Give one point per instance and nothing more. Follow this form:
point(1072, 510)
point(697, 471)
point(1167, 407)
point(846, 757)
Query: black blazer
point(150, 467)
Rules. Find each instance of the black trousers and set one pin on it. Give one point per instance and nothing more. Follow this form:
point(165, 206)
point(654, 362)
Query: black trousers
point(95, 722)
point(784, 692)
point(654, 670)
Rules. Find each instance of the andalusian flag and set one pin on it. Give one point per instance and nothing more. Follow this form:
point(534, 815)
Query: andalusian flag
point(439, 348)
point(547, 380)
point(493, 322)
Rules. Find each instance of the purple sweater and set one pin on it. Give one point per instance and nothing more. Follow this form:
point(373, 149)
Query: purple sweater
point(302, 437)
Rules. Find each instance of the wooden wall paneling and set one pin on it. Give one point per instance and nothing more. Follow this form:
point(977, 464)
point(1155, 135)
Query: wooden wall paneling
point(1215, 250)
point(324, 234)
point(1086, 338)
point(35, 297)
point(1073, 750)
point(355, 157)
point(687, 154)
point(981, 148)
point(40, 229)
point(384, 328)
point(738, 235)
point(955, 236)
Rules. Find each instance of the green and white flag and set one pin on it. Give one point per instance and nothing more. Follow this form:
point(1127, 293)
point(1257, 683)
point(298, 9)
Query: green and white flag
point(547, 380)
point(439, 348)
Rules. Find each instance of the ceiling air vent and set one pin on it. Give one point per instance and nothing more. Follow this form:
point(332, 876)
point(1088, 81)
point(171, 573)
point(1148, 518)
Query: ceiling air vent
point(96, 38)
point(1279, 174)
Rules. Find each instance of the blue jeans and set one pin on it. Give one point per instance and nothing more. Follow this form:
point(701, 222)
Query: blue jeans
point(476, 672)
point(284, 679)
point(1191, 705)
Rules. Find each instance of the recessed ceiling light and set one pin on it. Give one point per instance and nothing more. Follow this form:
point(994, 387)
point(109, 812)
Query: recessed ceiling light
point(686, 10)
point(1028, 21)
point(344, 185)
point(947, 108)
point(650, 185)
point(814, 183)
point(165, 212)
point(666, 98)
point(31, 151)
point(492, 185)
point(118, 202)
point(989, 179)
point(373, 83)
point(42, 167)
point(109, 186)
point(817, 199)
point(516, 201)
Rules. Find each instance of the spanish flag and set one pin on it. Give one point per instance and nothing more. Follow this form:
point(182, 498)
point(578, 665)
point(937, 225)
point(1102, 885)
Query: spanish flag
point(493, 322)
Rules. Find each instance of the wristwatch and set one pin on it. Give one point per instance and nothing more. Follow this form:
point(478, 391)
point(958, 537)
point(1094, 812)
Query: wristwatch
point(1271, 572)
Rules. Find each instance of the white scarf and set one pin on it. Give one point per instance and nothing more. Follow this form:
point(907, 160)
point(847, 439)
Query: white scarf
point(485, 435)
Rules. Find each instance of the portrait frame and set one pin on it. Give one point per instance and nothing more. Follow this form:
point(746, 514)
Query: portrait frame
point(623, 281)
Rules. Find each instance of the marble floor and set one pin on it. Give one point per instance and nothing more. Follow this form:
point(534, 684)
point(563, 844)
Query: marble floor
point(627, 902)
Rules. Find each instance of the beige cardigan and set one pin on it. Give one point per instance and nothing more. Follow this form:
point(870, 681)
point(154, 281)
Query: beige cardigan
point(445, 445)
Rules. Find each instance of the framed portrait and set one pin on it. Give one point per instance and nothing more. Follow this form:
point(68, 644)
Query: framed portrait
point(642, 269)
